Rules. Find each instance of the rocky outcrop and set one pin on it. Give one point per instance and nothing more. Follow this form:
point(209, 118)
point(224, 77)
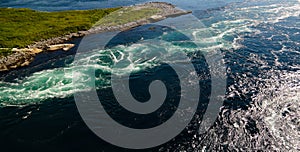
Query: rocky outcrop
point(32, 51)
point(64, 47)
point(20, 58)
point(44, 44)
point(23, 57)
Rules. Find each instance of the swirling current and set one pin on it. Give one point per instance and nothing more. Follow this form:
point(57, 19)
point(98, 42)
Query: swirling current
point(260, 44)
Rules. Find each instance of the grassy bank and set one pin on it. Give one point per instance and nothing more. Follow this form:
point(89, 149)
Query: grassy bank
point(127, 15)
point(5, 51)
point(22, 27)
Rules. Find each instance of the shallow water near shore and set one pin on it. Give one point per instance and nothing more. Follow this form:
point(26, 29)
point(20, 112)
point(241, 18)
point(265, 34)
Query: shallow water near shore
point(260, 42)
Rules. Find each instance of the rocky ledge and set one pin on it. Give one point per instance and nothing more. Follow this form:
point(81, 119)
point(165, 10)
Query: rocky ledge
point(20, 58)
point(23, 57)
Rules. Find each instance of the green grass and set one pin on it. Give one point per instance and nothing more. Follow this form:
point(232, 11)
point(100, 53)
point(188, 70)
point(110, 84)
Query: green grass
point(22, 27)
point(5, 51)
point(126, 15)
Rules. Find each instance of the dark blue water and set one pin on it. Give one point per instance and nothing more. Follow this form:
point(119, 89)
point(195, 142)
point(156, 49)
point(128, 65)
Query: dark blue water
point(260, 43)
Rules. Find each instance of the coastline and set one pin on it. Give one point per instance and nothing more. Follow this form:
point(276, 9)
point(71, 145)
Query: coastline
point(23, 57)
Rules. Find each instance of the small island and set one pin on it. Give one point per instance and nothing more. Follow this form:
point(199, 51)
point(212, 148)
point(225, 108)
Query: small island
point(25, 32)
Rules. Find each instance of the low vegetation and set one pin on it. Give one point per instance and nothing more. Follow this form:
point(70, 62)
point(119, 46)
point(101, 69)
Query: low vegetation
point(22, 27)
point(5, 51)
point(128, 14)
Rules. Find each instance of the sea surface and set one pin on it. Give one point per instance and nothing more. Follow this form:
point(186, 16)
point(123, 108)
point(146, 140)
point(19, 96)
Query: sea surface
point(259, 41)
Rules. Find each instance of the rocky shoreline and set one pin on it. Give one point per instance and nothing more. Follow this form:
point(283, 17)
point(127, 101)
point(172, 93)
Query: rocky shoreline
point(23, 57)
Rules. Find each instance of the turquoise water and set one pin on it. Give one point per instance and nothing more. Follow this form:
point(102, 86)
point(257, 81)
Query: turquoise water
point(260, 42)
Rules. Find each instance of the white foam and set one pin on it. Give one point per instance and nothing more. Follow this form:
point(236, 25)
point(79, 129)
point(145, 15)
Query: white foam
point(58, 83)
point(279, 104)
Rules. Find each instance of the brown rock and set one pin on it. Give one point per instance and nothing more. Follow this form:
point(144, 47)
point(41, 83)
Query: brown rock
point(25, 63)
point(65, 47)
